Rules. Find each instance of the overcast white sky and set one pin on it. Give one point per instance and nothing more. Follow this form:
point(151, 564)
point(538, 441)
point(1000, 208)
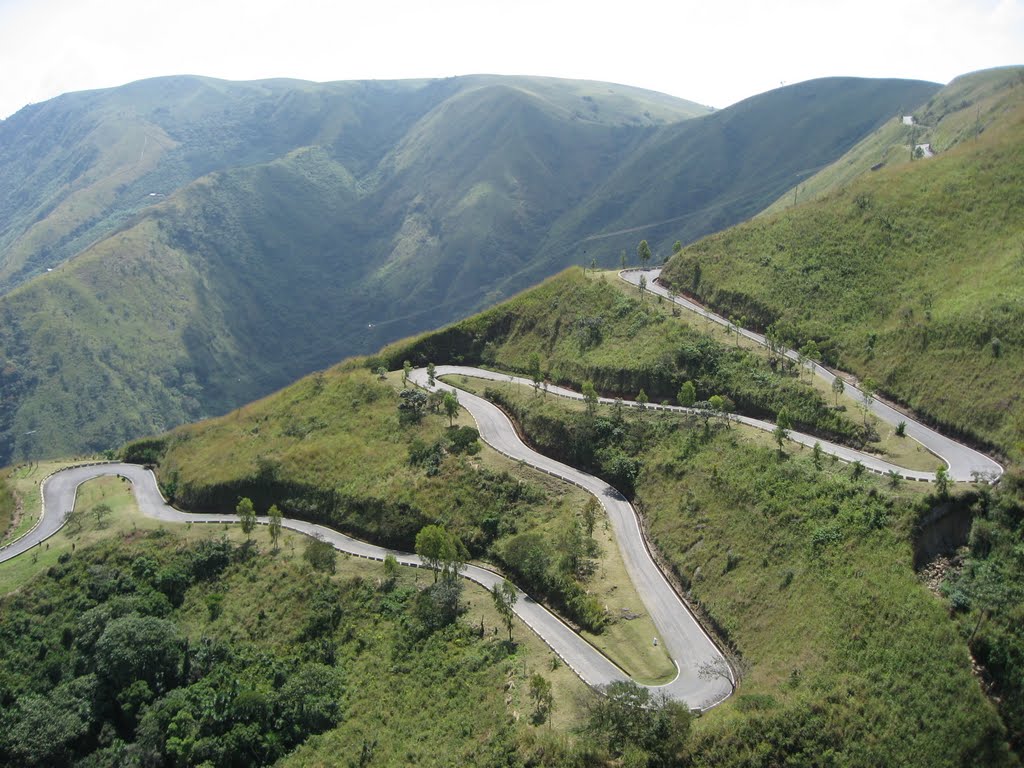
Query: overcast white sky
point(715, 52)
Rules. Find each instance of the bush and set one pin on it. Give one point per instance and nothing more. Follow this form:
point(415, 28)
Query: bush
point(320, 554)
point(146, 451)
point(463, 440)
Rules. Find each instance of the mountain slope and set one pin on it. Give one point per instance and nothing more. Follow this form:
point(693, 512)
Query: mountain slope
point(910, 276)
point(73, 168)
point(336, 218)
point(694, 178)
point(962, 110)
point(800, 566)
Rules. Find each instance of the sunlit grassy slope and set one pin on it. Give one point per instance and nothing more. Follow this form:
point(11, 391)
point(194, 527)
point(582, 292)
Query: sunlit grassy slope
point(911, 276)
point(959, 112)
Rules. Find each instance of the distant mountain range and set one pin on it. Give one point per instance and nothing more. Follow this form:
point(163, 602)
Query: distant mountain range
point(175, 247)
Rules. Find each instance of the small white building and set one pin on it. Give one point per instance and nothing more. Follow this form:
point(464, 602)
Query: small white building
point(909, 120)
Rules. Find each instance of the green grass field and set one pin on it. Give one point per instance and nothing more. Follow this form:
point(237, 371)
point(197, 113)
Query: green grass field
point(330, 449)
point(959, 112)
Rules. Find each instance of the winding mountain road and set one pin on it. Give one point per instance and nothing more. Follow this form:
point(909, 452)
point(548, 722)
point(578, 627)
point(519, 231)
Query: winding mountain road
point(964, 463)
point(686, 641)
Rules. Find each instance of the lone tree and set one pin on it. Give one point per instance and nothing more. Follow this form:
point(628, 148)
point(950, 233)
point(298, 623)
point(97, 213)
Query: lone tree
point(73, 521)
point(780, 435)
point(838, 387)
point(942, 482)
point(535, 372)
point(390, 570)
point(677, 246)
point(431, 370)
point(643, 252)
point(406, 370)
point(451, 407)
point(590, 397)
point(642, 399)
point(504, 595)
point(722, 406)
point(412, 403)
point(590, 512)
point(320, 554)
point(275, 525)
point(246, 516)
point(783, 423)
point(687, 394)
point(642, 285)
point(100, 511)
point(811, 354)
point(543, 701)
point(720, 668)
point(441, 551)
point(868, 389)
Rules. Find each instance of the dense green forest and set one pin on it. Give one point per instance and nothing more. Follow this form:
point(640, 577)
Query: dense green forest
point(154, 651)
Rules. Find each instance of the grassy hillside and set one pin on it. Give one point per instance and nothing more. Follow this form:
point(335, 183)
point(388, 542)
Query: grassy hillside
point(806, 571)
point(332, 219)
point(910, 276)
point(690, 179)
point(961, 111)
point(574, 329)
point(331, 449)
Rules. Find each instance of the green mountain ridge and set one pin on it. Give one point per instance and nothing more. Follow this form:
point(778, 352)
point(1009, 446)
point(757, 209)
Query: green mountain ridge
point(76, 166)
point(909, 276)
point(691, 179)
point(961, 111)
point(332, 219)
